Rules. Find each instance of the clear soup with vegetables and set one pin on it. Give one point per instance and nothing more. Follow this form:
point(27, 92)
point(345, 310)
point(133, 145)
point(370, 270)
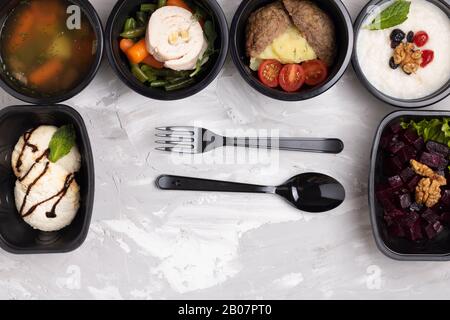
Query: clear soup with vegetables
point(47, 46)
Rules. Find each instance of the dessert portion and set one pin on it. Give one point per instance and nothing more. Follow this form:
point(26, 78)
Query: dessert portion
point(291, 43)
point(414, 191)
point(169, 43)
point(405, 42)
point(45, 161)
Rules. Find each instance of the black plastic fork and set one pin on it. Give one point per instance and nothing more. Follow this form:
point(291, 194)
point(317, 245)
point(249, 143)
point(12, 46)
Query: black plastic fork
point(184, 139)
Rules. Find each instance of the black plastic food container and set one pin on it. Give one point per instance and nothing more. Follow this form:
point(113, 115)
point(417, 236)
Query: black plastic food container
point(435, 97)
point(437, 249)
point(124, 9)
point(14, 90)
point(16, 236)
point(344, 32)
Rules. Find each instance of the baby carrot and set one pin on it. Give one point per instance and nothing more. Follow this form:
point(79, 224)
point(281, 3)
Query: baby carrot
point(46, 72)
point(152, 62)
point(137, 52)
point(179, 3)
point(24, 26)
point(126, 44)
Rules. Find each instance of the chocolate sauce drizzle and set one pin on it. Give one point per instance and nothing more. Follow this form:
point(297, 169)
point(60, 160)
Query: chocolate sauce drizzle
point(60, 195)
point(26, 138)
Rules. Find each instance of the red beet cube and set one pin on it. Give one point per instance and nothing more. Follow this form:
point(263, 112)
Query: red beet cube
point(434, 147)
point(415, 231)
point(445, 198)
point(445, 217)
point(412, 184)
point(395, 126)
point(386, 139)
point(409, 136)
point(433, 229)
point(396, 230)
point(430, 216)
point(395, 213)
point(396, 146)
point(433, 160)
point(392, 166)
point(419, 143)
point(404, 200)
point(395, 181)
point(407, 153)
point(406, 174)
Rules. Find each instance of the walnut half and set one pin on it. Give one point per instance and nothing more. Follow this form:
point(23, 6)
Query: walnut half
point(428, 192)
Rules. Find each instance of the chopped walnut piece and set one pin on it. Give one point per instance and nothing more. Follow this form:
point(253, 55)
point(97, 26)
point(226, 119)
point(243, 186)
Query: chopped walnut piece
point(421, 169)
point(428, 192)
point(407, 57)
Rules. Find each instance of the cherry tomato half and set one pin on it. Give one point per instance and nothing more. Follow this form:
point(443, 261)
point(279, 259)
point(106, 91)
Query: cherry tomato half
point(316, 72)
point(427, 57)
point(268, 72)
point(420, 38)
point(292, 77)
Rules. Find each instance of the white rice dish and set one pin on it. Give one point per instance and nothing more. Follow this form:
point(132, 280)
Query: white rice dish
point(374, 51)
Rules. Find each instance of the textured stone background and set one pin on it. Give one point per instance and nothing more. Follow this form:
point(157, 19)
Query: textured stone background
point(148, 244)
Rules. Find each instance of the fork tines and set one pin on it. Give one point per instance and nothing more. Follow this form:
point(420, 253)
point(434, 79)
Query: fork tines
point(177, 139)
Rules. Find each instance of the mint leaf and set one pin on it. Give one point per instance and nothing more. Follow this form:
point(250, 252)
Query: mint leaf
point(62, 142)
point(393, 15)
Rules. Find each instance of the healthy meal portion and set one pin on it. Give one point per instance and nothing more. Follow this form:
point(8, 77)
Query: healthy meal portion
point(44, 51)
point(291, 43)
point(403, 49)
point(415, 189)
point(45, 161)
point(169, 43)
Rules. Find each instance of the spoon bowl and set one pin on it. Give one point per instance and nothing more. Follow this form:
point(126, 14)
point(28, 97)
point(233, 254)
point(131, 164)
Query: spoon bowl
point(311, 192)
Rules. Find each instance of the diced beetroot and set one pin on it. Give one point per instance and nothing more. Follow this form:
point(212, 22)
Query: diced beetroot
point(445, 198)
point(392, 166)
point(445, 217)
point(409, 136)
point(412, 184)
point(430, 216)
point(415, 231)
point(405, 200)
point(407, 153)
point(395, 181)
point(406, 174)
point(396, 230)
point(419, 144)
point(386, 139)
point(395, 213)
point(410, 219)
point(395, 126)
point(395, 147)
point(433, 160)
point(433, 229)
point(434, 147)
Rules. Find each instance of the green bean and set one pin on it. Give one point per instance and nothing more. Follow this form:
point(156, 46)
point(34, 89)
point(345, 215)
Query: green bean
point(161, 3)
point(179, 85)
point(176, 80)
point(137, 72)
point(149, 73)
point(158, 83)
point(142, 18)
point(166, 73)
point(135, 33)
point(130, 24)
point(148, 7)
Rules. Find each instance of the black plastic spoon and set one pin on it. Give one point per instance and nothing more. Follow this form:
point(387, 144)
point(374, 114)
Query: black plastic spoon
point(311, 192)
